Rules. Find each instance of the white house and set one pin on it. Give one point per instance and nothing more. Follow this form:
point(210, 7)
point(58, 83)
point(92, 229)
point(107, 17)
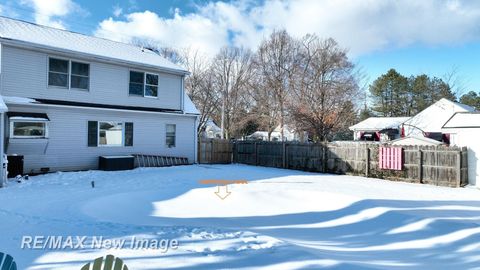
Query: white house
point(429, 122)
point(464, 130)
point(378, 129)
point(71, 98)
point(289, 134)
point(212, 130)
point(415, 141)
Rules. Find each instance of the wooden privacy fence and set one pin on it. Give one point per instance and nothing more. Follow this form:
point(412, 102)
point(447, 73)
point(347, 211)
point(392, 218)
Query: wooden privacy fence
point(436, 165)
point(214, 151)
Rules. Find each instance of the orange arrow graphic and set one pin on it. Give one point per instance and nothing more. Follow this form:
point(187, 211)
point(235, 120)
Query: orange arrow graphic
point(222, 193)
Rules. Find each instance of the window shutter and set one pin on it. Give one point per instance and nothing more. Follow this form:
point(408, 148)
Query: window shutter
point(92, 133)
point(129, 134)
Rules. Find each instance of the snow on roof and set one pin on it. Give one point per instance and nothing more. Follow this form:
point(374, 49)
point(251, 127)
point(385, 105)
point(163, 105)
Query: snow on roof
point(23, 118)
point(3, 107)
point(463, 120)
point(379, 123)
point(18, 100)
point(415, 141)
point(435, 116)
point(189, 107)
point(52, 38)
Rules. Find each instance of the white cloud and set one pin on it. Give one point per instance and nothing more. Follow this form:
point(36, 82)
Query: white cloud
point(361, 26)
point(117, 11)
point(192, 30)
point(50, 12)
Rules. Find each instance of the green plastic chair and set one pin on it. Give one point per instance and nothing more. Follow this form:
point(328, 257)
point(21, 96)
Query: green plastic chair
point(108, 262)
point(7, 262)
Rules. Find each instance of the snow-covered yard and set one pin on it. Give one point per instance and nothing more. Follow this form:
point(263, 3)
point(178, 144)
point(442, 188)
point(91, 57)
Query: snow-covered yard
point(281, 219)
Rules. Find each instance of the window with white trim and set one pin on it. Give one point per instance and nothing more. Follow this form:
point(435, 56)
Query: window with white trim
point(110, 133)
point(28, 129)
point(170, 135)
point(58, 72)
point(143, 84)
point(79, 78)
point(68, 74)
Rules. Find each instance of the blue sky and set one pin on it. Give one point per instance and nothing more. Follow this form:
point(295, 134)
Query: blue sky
point(435, 37)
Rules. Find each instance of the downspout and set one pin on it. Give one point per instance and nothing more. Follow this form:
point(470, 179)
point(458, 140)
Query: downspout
point(195, 132)
point(182, 96)
point(3, 169)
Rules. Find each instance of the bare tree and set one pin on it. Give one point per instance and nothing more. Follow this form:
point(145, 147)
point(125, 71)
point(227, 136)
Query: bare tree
point(231, 69)
point(322, 101)
point(199, 85)
point(275, 65)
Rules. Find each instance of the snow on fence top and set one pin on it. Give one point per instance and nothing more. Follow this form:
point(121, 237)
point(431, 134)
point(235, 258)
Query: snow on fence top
point(30, 34)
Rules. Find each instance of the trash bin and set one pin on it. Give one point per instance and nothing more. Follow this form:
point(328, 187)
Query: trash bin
point(15, 165)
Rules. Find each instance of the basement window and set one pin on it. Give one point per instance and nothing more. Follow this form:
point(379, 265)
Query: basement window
point(30, 129)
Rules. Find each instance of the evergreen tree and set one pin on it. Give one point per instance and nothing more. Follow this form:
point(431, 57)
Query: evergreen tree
point(472, 99)
point(395, 95)
point(390, 94)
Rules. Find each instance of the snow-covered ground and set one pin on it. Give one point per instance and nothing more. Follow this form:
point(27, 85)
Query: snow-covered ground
point(281, 219)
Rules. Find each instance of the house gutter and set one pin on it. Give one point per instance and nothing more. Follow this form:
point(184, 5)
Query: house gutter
point(96, 108)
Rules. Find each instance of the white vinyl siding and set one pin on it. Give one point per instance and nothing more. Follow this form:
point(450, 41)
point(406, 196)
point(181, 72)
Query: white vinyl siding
point(25, 74)
point(67, 147)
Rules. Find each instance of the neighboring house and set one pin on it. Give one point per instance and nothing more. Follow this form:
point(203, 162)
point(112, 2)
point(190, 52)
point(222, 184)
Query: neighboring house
point(415, 141)
point(464, 130)
point(212, 131)
point(429, 122)
point(72, 98)
point(276, 135)
point(378, 129)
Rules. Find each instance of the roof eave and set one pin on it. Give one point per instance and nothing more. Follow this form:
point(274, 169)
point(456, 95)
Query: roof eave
point(28, 45)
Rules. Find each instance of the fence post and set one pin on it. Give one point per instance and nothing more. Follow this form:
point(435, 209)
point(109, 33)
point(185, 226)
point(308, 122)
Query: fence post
point(459, 168)
point(367, 161)
point(420, 166)
point(284, 154)
point(211, 151)
point(324, 157)
point(256, 153)
point(199, 151)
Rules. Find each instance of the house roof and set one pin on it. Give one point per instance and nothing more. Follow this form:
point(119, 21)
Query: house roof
point(435, 116)
point(463, 120)
point(188, 105)
point(43, 37)
point(415, 141)
point(379, 123)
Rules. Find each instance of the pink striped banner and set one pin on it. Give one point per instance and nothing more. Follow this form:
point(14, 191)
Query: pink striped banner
point(390, 158)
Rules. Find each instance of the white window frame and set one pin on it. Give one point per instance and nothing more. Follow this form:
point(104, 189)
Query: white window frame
point(11, 133)
point(144, 83)
point(69, 74)
point(48, 73)
point(83, 76)
point(110, 145)
point(166, 131)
